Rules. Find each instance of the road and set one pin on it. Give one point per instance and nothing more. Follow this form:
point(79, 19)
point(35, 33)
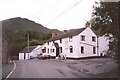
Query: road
point(51, 68)
point(35, 68)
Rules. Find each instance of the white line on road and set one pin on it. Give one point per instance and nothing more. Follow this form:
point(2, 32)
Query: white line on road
point(11, 71)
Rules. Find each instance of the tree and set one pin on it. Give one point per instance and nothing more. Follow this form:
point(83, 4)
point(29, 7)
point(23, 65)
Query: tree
point(104, 21)
point(17, 40)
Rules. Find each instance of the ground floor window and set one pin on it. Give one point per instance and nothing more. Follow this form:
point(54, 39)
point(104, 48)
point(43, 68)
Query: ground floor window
point(94, 50)
point(71, 49)
point(60, 49)
point(82, 50)
point(43, 50)
point(48, 50)
point(53, 50)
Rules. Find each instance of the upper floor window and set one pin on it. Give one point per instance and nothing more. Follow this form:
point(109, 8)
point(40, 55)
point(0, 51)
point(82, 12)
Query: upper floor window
point(82, 38)
point(48, 43)
point(71, 49)
point(82, 50)
point(70, 38)
point(60, 40)
point(93, 38)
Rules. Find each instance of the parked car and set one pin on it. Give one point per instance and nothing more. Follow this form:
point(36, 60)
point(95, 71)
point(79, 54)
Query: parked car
point(31, 57)
point(43, 56)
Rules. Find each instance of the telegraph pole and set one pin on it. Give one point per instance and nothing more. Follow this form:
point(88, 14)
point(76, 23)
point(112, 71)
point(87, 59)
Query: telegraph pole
point(28, 43)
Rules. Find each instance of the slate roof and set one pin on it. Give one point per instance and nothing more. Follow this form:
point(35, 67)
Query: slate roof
point(67, 34)
point(25, 50)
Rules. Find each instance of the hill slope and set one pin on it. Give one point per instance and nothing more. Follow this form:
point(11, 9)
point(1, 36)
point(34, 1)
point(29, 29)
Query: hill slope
point(14, 31)
point(23, 24)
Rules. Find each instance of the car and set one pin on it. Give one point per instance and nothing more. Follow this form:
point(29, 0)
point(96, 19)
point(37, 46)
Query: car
point(31, 57)
point(43, 56)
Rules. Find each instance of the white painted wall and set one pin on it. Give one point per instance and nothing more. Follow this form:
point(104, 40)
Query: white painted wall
point(36, 51)
point(27, 55)
point(52, 46)
point(88, 43)
point(21, 56)
point(77, 43)
point(103, 45)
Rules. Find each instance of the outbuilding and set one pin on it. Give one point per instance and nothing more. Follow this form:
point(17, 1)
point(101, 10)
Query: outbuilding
point(32, 51)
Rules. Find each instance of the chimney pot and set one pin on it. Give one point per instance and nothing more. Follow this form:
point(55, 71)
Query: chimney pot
point(87, 24)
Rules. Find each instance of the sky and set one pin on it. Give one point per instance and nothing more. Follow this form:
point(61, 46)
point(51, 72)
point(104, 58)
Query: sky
point(53, 14)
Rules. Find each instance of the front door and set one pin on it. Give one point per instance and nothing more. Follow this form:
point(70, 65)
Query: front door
point(57, 52)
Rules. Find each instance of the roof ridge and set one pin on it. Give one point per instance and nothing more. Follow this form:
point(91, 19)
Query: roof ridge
point(73, 32)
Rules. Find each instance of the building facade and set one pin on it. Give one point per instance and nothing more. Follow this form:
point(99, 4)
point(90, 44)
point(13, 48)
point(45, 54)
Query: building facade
point(77, 43)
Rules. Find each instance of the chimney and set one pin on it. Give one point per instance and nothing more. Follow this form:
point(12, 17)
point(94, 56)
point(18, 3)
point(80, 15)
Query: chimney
point(54, 34)
point(87, 24)
point(65, 31)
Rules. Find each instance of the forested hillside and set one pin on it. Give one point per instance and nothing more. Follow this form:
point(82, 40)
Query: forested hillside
point(16, 30)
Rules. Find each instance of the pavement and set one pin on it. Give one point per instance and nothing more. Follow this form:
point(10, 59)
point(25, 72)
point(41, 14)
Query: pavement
point(6, 69)
point(52, 68)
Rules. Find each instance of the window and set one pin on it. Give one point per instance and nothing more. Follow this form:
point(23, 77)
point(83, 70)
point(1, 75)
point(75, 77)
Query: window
point(93, 38)
point(44, 50)
point(48, 43)
point(60, 40)
point(70, 38)
point(48, 50)
point(94, 50)
point(60, 49)
point(53, 50)
point(71, 49)
point(82, 50)
point(82, 38)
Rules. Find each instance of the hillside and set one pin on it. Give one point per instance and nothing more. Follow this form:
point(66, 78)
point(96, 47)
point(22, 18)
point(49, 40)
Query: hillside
point(15, 31)
point(23, 24)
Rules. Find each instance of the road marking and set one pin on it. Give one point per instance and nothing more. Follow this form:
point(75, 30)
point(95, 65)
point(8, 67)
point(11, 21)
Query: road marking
point(11, 71)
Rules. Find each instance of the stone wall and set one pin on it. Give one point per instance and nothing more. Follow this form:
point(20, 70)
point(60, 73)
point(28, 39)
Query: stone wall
point(4, 51)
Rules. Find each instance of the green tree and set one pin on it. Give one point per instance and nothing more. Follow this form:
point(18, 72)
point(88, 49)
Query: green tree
point(17, 39)
point(104, 21)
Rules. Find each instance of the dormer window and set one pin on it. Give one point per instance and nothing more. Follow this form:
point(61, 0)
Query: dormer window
point(93, 38)
point(70, 38)
point(82, 38)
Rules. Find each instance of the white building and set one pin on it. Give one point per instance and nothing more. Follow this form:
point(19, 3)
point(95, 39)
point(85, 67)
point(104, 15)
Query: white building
point(33, 51)
point(77, 43)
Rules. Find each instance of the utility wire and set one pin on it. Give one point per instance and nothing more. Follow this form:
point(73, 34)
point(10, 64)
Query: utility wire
point(44, 9)
point(65, 11)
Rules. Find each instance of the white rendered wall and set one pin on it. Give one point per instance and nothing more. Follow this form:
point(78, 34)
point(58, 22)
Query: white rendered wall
point(21, 56)
point(77, 43)
point(103, 45)
point(88, 43)
point(52, 46)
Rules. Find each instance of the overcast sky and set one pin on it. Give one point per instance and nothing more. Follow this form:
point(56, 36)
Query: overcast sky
point(54, 14)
